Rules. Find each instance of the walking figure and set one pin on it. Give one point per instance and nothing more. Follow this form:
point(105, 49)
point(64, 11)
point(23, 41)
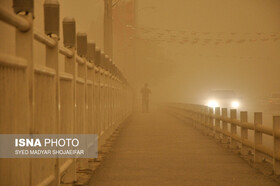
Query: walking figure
point(145, 91)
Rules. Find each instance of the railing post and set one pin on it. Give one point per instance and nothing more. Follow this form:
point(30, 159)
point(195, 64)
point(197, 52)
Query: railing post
point(82, 44)
point(24, 49)
point(244, 132)
point(233, 129)
point(90, 85)
point(102, 95)
point(51, 20)
point(200, 117)
point(258, 136)
point(69, 32)
point(69, 40)
point(23, 6)
point(197, 117)
point(276, 146)
point(90, 74)
point(194, 116)
point(217, 123)
point(189, 113)
point(106, 100)
point(82, 73)
point(211, 121)
point(191, 116)
point(224, 126)
point(205, 119)
point(110, 92)
point(113, 95)
point(91, 51)
point(97, 80)
point(101, 91)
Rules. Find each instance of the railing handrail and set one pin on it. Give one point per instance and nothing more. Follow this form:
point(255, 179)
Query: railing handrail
point(66, 52)
point(9, 60)
point(44, 39)
point(248, 125)
point(14, 20)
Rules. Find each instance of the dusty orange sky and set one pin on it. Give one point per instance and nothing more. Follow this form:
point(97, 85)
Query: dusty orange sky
point(179, 71)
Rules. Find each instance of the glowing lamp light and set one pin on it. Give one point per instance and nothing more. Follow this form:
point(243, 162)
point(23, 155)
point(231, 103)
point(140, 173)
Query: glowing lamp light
point(235, 104)
point(212, 103)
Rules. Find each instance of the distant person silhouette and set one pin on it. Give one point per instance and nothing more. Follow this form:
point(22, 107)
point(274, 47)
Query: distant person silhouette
point(145, 91)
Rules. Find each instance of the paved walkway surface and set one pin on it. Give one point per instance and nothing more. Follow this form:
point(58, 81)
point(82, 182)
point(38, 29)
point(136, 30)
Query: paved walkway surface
point(157, 149)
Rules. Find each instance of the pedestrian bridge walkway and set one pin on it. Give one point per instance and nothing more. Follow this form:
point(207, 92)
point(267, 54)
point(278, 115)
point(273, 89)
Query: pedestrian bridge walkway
point(159, 149)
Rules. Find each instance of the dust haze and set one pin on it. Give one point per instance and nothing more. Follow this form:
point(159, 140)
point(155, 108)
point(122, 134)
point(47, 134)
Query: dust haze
point(183, 49)
point(186, 48)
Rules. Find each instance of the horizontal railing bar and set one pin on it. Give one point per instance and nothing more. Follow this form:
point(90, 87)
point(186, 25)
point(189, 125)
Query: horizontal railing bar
point(90, 65)
point(44, 39)
point(96, 69)
point(14, 20)
point(89, 82)
point(66, 76)
point(241, 124)
point(80, 60)
point(47, 181)
point(51, 178)
point(248, 143)
point(66, 52)
point(13, 61)
point(247, 125)
point(264, 150)
point(44, 70)
point(264, 129)
point(235, 137)
point(65, 166)
point(80, 80)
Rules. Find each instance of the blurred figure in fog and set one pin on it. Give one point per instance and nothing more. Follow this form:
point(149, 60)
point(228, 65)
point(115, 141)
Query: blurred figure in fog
point(145, 91)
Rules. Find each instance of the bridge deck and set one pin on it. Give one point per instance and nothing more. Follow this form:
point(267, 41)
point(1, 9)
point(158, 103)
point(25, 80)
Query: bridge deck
point(157, 149)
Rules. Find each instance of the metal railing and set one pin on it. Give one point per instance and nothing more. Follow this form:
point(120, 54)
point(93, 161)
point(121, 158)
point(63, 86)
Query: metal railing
point(215, 121)
point(91, 96)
